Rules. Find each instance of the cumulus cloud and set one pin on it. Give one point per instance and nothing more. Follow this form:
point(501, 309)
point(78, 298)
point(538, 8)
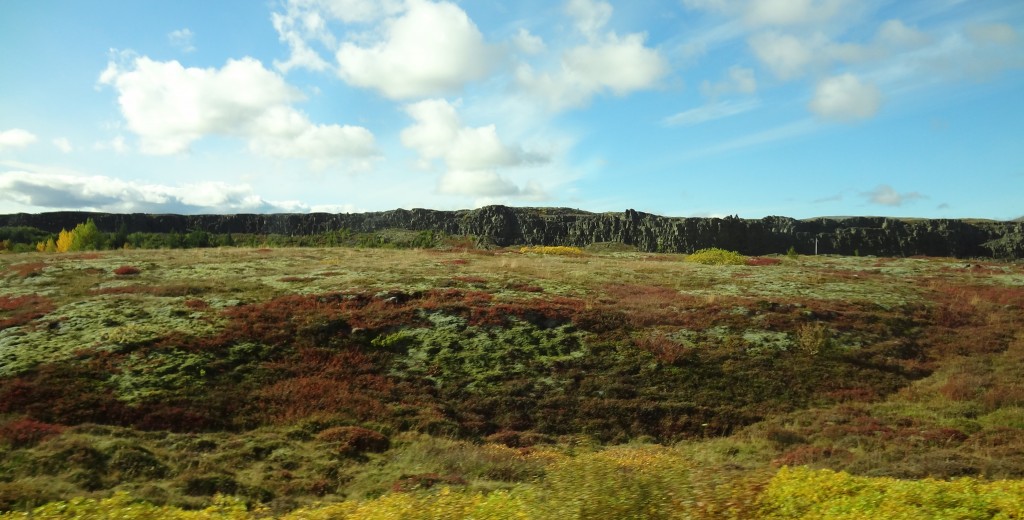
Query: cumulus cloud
point(885, 195)
point(470, 154)
point(170, 106)
point(55, 191)
point(528, 43)
point(182, 39)
point(784, 54)
point(845, 98)
point(63, 144)
point(620, 65)
point(438, 133)
point(590, 16)
point(789, 56)
point(480, 183)
point(303, 26)
point(431, 49)
point(16, 138)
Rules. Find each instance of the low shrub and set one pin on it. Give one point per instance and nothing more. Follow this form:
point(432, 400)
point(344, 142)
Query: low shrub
point(805, 493)
point(127, 270)
point(354, 439)
point(716, 256)
point(24, 433)
point(552, 250)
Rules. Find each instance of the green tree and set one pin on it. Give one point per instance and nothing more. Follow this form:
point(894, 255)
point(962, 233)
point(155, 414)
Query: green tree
point(86, 237)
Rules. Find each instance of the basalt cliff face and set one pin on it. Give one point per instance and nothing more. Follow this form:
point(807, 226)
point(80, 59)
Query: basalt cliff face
point(506, 226)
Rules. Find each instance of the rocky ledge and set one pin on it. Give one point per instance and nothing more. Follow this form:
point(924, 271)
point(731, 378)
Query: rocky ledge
point(506, 226)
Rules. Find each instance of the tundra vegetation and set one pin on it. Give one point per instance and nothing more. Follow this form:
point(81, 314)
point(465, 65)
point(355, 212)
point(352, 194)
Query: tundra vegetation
point(432, 379)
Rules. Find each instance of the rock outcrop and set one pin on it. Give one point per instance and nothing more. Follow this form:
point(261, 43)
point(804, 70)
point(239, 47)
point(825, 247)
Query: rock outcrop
point(506, 226)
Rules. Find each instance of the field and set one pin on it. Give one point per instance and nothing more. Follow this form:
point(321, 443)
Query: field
point(523, 383)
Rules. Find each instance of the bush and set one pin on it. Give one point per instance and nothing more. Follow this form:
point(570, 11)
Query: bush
point(805, 493)
point(127, 270)
point(716, 256)
point(552, 250)
point(24, 433)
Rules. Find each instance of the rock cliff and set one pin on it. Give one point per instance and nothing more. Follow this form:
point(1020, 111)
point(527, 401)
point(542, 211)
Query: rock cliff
point(506, 226)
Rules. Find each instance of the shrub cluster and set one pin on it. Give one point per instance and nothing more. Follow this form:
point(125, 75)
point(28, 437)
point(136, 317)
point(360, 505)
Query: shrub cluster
point(552, 250)
point(716, 256)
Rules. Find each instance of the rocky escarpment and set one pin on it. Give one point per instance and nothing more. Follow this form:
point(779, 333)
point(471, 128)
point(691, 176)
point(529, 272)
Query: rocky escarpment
point(505, 226)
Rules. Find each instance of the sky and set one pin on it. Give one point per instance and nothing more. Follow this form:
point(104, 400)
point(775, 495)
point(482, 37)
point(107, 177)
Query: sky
point(800, 108)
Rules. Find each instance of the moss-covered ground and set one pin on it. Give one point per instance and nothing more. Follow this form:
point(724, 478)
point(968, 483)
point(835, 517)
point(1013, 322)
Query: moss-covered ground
point(293, 377)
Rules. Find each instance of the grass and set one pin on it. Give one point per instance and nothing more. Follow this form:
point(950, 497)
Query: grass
point(558, 385)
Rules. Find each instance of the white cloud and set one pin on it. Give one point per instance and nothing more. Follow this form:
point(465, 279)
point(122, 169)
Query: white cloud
point(438, 133)
point(528, 43)
point(182, 39)
point(845, 98)
point(757, 13)
point(789, 56)
point(431, 49)
point(304, 24)
point(47, 190)
point(170, 106)
point(607, 62)
point(295, 32)
point(348, 11)
point(711, 112)
point(476, 184)
point(591, 16)
point(996, 33)
point(739, 80)
point(16, 138)
point(55, 191)
point(895, 33)
point(63, 144)
point(784, 54)
point(618, 64)
point(887, 196)
point(470, 154)
point(792, 12)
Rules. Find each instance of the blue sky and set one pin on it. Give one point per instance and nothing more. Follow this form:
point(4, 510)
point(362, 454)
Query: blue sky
point(801, 108)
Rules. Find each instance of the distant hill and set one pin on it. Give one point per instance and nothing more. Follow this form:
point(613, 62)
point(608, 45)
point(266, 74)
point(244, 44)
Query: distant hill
point(506, 226)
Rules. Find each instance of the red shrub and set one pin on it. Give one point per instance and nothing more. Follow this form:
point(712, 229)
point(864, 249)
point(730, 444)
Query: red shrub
point(28, 269)
point(127, 270)
point(760, 260)
point(196, 304)
point(19, 310)
point(665, 350)
point(940, 437)
point(25, 433)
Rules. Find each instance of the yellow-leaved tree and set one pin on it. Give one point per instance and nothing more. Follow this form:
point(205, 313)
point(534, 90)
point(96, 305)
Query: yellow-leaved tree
point(64, 241)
